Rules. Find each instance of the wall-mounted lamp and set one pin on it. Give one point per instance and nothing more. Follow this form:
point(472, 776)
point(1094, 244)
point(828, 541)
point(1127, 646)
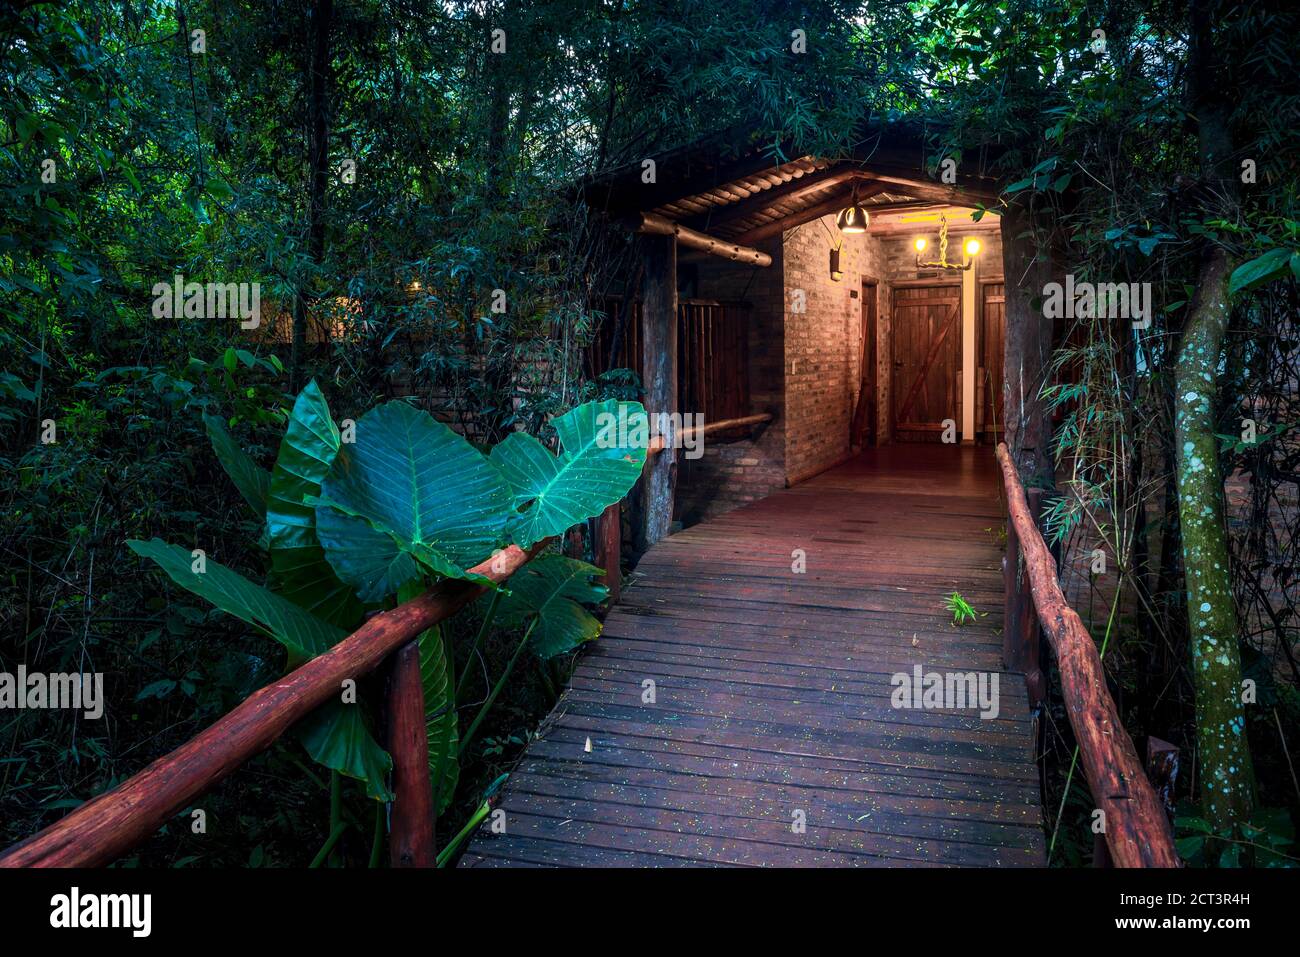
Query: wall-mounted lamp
point(970, 250)
point(836, 275)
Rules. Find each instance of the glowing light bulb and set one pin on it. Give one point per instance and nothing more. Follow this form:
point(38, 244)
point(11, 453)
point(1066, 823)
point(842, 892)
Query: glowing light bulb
point(972, 247)
point(920, 244)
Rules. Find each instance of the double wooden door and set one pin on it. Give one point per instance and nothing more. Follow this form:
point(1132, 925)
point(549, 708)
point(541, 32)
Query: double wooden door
point(926, 334)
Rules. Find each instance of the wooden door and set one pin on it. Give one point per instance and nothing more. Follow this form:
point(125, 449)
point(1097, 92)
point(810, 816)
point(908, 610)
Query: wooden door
point(992, 343)
point(926, 330)
point(862, 430)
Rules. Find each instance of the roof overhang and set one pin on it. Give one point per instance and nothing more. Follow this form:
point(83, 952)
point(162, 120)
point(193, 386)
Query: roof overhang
point(724, 196)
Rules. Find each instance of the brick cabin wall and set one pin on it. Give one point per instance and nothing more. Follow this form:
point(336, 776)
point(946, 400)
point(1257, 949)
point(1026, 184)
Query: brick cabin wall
point(739, 469)
point(823, 344)
point(804, 367)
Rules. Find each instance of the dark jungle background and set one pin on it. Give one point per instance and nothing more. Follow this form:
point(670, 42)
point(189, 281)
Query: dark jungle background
point(380, 170)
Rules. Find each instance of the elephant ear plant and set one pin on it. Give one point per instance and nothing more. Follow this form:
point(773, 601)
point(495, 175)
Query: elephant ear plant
point(359, 526)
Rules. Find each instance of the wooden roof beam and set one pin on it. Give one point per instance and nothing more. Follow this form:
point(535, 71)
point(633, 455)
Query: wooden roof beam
point(908, 182)
point(832, 205)
point(654, 224)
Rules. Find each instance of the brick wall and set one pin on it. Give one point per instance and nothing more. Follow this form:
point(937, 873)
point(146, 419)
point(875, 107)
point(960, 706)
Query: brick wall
point(737, 469)
point(823, 344)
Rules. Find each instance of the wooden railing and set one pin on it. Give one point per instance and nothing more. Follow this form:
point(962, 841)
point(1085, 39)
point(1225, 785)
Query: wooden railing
point(609, 536)
point(107, 826)
point(1136, 822)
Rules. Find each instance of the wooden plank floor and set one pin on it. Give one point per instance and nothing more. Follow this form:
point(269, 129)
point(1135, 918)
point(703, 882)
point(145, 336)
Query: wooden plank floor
point(772, 692)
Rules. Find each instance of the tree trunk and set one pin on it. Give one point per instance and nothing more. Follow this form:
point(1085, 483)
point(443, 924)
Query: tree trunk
point(1227, 779)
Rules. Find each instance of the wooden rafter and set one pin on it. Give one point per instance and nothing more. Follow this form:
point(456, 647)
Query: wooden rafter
point(795, 189)
point(906, 181)
point(617, 197)
point(831, 205)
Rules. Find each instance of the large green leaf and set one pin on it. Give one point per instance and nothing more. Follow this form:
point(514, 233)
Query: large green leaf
point(299, 569)
point(335, 735)
point(1261, 269)
point(601, 460)
point(409, 493)
point(302, 633)
point(440, 716)
point(554, 588)
point(252, 481)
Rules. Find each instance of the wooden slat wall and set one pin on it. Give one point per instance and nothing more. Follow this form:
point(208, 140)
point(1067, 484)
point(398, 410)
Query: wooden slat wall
point(992, 346)
point(712, 355)
point(599, 359)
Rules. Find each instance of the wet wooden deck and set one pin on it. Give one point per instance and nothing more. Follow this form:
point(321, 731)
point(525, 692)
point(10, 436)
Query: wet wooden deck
point(772, 693)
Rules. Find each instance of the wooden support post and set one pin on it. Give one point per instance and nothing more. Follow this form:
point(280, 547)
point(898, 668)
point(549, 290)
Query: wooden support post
point(1027, 345)
point(411, 838)
point(609, 543)
point(659, 375)
point(1021, 637)
point(966, 384)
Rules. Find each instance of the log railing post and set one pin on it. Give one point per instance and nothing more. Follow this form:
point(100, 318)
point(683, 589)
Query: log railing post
point(1021, 638)
point(609, 544)
point(411, 837)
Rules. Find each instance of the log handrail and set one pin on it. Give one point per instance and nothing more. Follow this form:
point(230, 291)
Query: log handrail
point(1137, 830)
point(110, 824)
point(107, 826)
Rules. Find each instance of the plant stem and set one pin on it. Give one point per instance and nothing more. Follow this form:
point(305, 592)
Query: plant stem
point(545, 668)
point(336, 810)
point(328, 846)
point(377, 843)
point(496, 690)
point(454, 844)
point(488, 616)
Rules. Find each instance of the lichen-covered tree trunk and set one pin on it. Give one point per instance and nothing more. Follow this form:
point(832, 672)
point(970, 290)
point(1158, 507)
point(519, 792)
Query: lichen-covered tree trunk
point(1226, 775)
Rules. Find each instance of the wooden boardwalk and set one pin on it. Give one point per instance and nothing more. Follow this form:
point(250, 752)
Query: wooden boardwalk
point(772, 692)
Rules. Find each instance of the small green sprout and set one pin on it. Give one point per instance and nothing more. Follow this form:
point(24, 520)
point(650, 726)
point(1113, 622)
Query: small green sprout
point(961, 610)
